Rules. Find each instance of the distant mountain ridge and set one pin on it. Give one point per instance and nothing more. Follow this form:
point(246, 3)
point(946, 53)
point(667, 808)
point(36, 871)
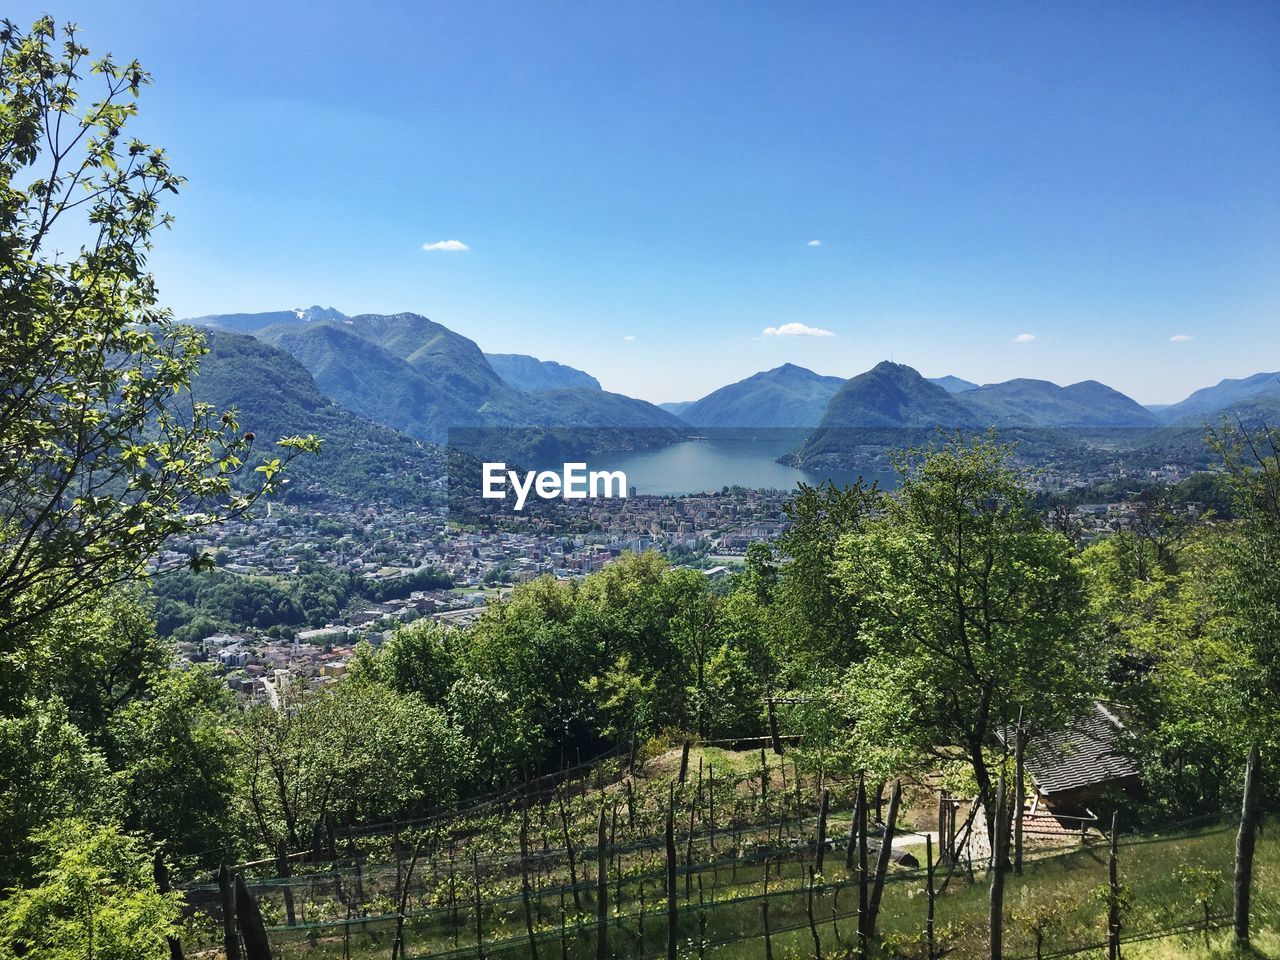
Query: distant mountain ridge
point(408, 372)
point(1039, 403)
point(1222, 397)
point(786, 396)
point(953, 384)
point(532, 375)
point(252, 322)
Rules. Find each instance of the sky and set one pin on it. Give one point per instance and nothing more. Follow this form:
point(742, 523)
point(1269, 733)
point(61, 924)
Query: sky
point(673, 196)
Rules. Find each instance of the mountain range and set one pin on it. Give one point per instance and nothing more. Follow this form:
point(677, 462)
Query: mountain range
point(401, 378)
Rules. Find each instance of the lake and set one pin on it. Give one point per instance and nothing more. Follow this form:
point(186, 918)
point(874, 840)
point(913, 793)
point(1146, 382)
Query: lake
point(708, 464)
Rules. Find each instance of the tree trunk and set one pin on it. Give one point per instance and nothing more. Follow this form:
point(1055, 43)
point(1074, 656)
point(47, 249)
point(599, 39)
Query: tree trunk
point(1245, 841)
point(161, 873)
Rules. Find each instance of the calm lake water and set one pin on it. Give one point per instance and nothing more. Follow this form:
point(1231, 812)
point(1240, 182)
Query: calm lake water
point(708, 464)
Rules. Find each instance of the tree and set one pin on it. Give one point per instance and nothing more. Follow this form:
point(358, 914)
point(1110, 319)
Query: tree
point(175, 762)
point(972, 609)
point(103, 452)
point(819, 619)
point(1250, 589)
point(95, 897)
point(354, 753)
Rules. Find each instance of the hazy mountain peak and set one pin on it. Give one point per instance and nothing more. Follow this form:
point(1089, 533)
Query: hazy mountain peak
point(531, 374)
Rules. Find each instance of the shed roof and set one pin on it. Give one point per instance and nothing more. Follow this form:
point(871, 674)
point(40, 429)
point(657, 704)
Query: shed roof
point(1086, 753)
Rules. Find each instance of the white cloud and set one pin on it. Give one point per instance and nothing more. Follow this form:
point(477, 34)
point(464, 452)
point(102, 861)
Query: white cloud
point(1025, 338)
point(796, 330)
point(450, 245)
point(814, 243)
point(1181, 338)
point(628, 338)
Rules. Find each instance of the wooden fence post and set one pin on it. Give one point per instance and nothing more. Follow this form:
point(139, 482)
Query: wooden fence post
point(1019, 790)
point(684, 761)
point(996, 916)
point(820, 854)
point(568, 846)
point(882, 862)
point(227, 894)
point(1113, 893)
point(764, 784)
point(864, 929)
point(858, 816)
point(249, 919)
point(774, 740)
point(284, 869)
point(479, 906)
point(813, 927)
point(602, 890)
point(672, 909)
point(930, 946)
point(711, 805)
point(1245, 841)
point(524, 883)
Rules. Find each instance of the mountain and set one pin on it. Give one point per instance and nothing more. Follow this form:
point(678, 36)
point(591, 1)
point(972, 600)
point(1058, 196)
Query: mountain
point(885, 407)
point(1039, 403)
point(252, 322)
point(370, 380)
point(531, 374)
point(894, 395)
point(275, 396)
point(677, 407)
point(411, 373)
point(1224, 397)
point(787, 396)
point(953, 384)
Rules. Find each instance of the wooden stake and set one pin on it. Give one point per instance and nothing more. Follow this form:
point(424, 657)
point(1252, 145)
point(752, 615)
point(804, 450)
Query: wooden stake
point(672, 907)
point(820, 854)
point(1113, 891)
point(1245, 841)
point(602, 891)
point(882, 862)
point(996, 917)
point(524, 884)
point(1019, 790)
point(227, 894)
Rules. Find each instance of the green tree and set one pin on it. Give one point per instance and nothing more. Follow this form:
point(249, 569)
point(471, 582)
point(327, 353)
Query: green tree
point(972, 609)
point(103, 453)
point(819, 619)
point(94, 898)
point(176, 762)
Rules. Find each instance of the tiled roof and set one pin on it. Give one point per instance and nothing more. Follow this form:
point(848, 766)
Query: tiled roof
point(1086, 753)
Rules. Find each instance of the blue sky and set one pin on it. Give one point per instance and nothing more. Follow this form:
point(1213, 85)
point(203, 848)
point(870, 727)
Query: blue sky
point(998, 190)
